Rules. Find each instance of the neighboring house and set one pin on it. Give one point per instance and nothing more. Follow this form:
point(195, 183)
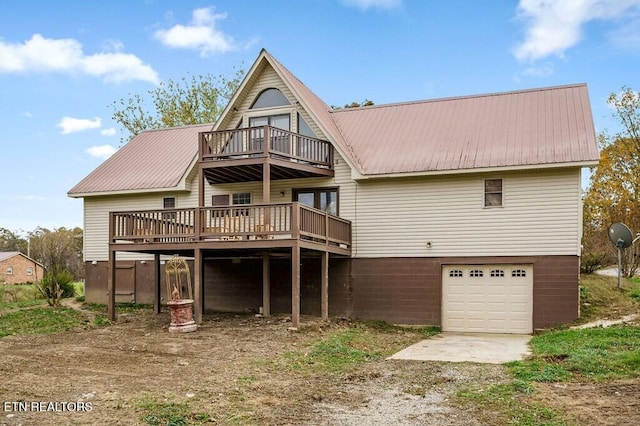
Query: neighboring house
point(17, 268)
point(463, 212)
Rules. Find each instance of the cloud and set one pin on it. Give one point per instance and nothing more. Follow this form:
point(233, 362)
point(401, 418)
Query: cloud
point(40, 54)
point(376, 4)
point(553, 26)
point(27, 114)
point(201, 34)
point(108, 132)
point(101, 151)
point(74, 125)
point(542, 71)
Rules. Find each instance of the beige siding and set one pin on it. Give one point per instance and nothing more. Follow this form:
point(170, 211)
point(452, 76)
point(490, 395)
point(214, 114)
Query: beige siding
point(541, 216)
point(96, 218)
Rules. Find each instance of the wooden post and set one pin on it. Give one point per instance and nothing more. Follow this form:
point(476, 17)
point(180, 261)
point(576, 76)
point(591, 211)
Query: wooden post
point(295, 285)
point(157, 278)
point(111, 285)
point(197, 278)
point(324, 286)
point(266, 286)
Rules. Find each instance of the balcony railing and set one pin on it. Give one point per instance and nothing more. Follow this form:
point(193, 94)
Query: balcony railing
point(233, 223)
point(265, 141)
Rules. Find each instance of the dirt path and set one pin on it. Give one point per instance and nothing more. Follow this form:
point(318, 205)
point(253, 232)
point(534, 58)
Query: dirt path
point(234, 370)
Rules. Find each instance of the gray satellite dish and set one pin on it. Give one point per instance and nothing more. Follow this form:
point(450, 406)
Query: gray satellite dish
point(620, 235)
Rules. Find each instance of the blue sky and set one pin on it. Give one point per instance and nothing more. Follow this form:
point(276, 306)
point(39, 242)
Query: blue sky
point(63, 63)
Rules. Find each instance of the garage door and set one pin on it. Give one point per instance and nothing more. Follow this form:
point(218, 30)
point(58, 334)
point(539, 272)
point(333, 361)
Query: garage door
point(487, 298)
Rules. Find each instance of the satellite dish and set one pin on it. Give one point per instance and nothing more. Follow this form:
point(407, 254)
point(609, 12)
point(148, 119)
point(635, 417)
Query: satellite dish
point(620, 235)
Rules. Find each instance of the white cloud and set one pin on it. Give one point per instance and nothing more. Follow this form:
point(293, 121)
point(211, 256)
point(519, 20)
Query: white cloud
point(376, 4)
point(201, 34)
point(108, 132)
point(101, 151)
point(553, 26)
point(73, 125)
point(40, 54)
point(542, 71)
point(27, 114)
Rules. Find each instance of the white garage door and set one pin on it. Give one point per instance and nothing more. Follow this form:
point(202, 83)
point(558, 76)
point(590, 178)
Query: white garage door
point(487, 298)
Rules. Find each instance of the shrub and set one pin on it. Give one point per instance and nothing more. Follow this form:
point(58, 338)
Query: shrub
point(56, 286)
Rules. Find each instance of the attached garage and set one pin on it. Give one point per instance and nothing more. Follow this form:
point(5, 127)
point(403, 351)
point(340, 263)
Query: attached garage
point(487, 298)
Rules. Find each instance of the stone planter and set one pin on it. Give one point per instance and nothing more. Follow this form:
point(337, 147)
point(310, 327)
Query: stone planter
point(181, 316)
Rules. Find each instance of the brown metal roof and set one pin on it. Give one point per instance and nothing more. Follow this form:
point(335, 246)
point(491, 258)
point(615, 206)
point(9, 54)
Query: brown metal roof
point(154, 159)
point(548, 126)
point(531, 128)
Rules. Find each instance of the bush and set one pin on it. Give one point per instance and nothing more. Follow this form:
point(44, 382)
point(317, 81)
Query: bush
point(57, 286)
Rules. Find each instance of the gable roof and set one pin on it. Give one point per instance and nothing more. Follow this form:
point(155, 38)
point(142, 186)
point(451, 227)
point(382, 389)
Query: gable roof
point(154, 160)
point(4, 255)
point(547, 127)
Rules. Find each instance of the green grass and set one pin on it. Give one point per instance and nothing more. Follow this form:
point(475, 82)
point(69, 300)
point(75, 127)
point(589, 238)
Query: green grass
point(120, 307)
point(154, 413)
point(361, 342)
point(593, 354)
point(18, 293)
point(40, 320)
point(568, 355)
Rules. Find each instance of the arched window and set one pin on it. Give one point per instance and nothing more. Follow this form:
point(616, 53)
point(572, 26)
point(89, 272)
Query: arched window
point(270, 98)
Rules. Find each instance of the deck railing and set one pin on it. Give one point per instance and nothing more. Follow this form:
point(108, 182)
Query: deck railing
point(250, 142)
point(230, 223)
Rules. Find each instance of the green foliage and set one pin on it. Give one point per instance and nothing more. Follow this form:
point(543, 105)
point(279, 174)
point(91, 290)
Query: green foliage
point(44, 320)
point(354, 104)
point(584, 354)
point(58, 250)
point(194, 100)
point(20, 293)
point(56, 286)
point(600, 298)
point(11, 241)
point(169, 413)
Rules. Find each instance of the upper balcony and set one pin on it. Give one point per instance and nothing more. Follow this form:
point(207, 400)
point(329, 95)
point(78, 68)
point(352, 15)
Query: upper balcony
point(240, 155)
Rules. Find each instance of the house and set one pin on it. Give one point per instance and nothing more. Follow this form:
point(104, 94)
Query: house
point(17, 268)
point(461, 212)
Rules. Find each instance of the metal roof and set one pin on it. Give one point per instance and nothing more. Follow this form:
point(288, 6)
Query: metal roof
point(153, 160)
point(7, 254)
point(548, 126)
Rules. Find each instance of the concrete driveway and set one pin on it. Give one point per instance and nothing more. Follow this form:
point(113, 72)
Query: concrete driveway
point(469, 347)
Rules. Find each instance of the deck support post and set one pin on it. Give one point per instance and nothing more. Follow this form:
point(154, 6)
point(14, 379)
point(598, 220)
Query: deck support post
point(324, 286)
point(266, 285)
point(111, 285)
point(295, 285)
point(198, 281)
point(156, 278)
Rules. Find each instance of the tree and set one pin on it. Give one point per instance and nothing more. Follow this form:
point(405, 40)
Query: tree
point(614, 192)
point(11, 241)
point(194, 100)
point(60, 252)
point(355, 104)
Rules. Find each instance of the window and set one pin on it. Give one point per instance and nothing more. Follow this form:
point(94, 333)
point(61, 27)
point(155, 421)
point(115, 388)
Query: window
point(518, 273)
point(493, 193)
point(280, 141)
point(476, 273)
point(169, 203)
point(497, 273)
point(270, 98)
point(325, 199)
point(29, 271)
point(455, 273)
point(240, 199)
point(9, 270)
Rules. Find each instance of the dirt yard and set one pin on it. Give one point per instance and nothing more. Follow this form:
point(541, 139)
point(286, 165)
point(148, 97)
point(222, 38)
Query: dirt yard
point(236, 370)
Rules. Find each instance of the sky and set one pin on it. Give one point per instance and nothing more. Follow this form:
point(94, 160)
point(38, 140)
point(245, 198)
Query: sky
point(64, 63)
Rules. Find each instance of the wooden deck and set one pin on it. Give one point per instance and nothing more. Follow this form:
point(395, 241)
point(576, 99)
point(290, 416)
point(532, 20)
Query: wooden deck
point(246, 226)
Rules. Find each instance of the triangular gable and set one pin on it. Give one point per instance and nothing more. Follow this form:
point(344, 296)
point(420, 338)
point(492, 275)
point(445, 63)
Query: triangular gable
point(317, 110)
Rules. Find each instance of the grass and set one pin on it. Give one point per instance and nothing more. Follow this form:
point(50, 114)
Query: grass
point(18, 293)
point(153, 412)
point(360, 342)
point(39, 320)
point(130, 308)
point(569, 355)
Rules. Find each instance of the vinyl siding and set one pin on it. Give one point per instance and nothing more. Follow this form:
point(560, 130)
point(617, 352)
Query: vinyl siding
point(540, 216)
point(96, 218)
